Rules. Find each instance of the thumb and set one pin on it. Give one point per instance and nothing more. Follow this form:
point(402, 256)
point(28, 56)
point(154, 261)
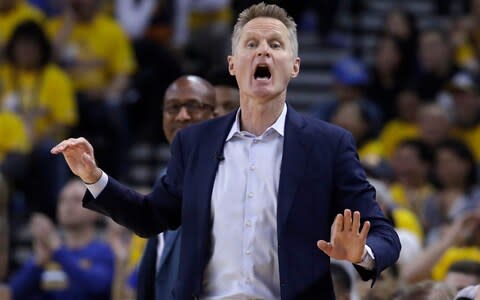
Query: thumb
point(325, 247)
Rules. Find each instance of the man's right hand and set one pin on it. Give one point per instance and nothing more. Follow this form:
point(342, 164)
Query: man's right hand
point(78, 154)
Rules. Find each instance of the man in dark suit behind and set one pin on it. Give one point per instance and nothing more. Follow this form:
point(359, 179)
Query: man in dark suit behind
point(257, 190)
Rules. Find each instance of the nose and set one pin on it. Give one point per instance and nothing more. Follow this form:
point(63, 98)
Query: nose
point(263, 49)
point(183, 114)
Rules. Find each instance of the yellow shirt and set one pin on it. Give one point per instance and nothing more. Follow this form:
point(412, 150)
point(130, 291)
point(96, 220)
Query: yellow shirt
point(452, 256)
point(400, 197)
point(394, 132)
point(466, 52)
point(371, 153)
point(95, 52)
point(21, 13)
point(471, 137)
point(405, 219)
point(13, 135)
point(137, 246)
point(48, 94)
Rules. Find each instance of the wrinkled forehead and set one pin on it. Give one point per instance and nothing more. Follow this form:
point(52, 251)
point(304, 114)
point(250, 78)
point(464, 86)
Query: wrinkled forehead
point(266, 27)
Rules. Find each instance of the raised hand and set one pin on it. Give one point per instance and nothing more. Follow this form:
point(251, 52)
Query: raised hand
point(346, 240)
point(78, 154)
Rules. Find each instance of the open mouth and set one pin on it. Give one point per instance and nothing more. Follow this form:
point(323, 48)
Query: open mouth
point(262, 72)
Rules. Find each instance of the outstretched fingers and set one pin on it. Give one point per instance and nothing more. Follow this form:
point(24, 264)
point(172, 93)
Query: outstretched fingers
point(365, 230)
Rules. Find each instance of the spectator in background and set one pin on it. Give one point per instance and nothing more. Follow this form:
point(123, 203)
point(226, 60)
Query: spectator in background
point(41, 95)
point(466, 39)
point(227, 99)
point(199, 23)
point(427, 290)
point(455, 174)
point(12, 13)
point(404, 126)
point(465, 109)
point(351, 78)
point(50, 8)
point(79, 267)
point(462, 274)
point(188, 100)
point(412, 163)
point(388, 75)
point(343, 280)
point(98, 56)
point(385, 287)
point(402, 26)
point(459, 242)
point(355, 117)
point(4, 229)
point(434, 124)
point(436, 63)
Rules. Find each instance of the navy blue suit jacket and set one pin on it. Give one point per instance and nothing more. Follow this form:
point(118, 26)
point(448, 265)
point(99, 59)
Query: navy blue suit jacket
point(320, 177)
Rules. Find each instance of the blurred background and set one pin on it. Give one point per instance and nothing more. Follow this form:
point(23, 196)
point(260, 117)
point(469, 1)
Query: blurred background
point(402, 76)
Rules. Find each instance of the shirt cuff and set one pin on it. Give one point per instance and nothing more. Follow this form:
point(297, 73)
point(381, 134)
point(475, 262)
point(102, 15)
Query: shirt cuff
point(96, 188)
point(368, 261)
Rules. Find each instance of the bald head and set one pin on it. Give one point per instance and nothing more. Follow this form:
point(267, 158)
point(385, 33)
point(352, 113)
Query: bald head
point(188, 100)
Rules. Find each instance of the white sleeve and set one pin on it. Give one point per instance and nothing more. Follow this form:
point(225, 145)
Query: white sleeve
point(368, 261)
point(97, 187)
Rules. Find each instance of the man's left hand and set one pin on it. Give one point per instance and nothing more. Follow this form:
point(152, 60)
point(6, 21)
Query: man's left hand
point(347, 242)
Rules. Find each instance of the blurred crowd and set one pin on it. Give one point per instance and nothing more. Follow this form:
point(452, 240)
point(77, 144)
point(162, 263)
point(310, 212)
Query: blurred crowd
point(100, 69)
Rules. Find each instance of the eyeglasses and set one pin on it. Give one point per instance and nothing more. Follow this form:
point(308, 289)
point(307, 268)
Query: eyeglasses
point(192, 107)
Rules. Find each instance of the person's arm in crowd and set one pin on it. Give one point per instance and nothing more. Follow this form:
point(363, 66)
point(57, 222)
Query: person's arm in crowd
point(145, 215)
point(116, 88)
point(26, 282)
point(121, 247)
point(420, 267)
point(134, 16)
point(61, 37)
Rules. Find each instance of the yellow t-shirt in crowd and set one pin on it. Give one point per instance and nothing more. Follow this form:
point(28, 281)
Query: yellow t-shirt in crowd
point(13, 135)
point(405, 219)
point(471, 137)
point(466, 52)
point(451, 256)
point(21, 13)
point(48, 94)
point(400, 197)
point(137, 246)
point(95, 52)
point(371, 153)
point(394, 132)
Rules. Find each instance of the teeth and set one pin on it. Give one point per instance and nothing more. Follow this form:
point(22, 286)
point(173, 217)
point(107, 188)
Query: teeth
point(262, 78)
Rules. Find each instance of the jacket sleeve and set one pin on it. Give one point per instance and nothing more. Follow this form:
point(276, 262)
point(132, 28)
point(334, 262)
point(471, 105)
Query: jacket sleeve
point(353, 191)
point(145, 215)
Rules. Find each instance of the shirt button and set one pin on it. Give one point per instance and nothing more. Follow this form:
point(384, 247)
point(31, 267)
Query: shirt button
point(252, 167)
point(250, 195)
point(255, 141)
point(248, 280)
point(247, 252)
point(248, 223)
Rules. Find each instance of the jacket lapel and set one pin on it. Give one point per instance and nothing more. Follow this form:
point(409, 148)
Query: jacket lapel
point(294, 160)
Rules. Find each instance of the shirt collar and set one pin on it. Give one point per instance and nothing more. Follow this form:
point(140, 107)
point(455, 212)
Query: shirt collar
point(278, 126)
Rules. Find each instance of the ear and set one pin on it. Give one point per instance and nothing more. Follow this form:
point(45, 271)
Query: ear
point(296, 68)
point(231, 67)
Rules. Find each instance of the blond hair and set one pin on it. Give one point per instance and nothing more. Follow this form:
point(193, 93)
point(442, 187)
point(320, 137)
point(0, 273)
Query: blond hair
point(266, 11)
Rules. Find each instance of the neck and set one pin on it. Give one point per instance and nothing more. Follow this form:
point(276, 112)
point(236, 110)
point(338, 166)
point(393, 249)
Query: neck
point(256, 116)
point(79, 236)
